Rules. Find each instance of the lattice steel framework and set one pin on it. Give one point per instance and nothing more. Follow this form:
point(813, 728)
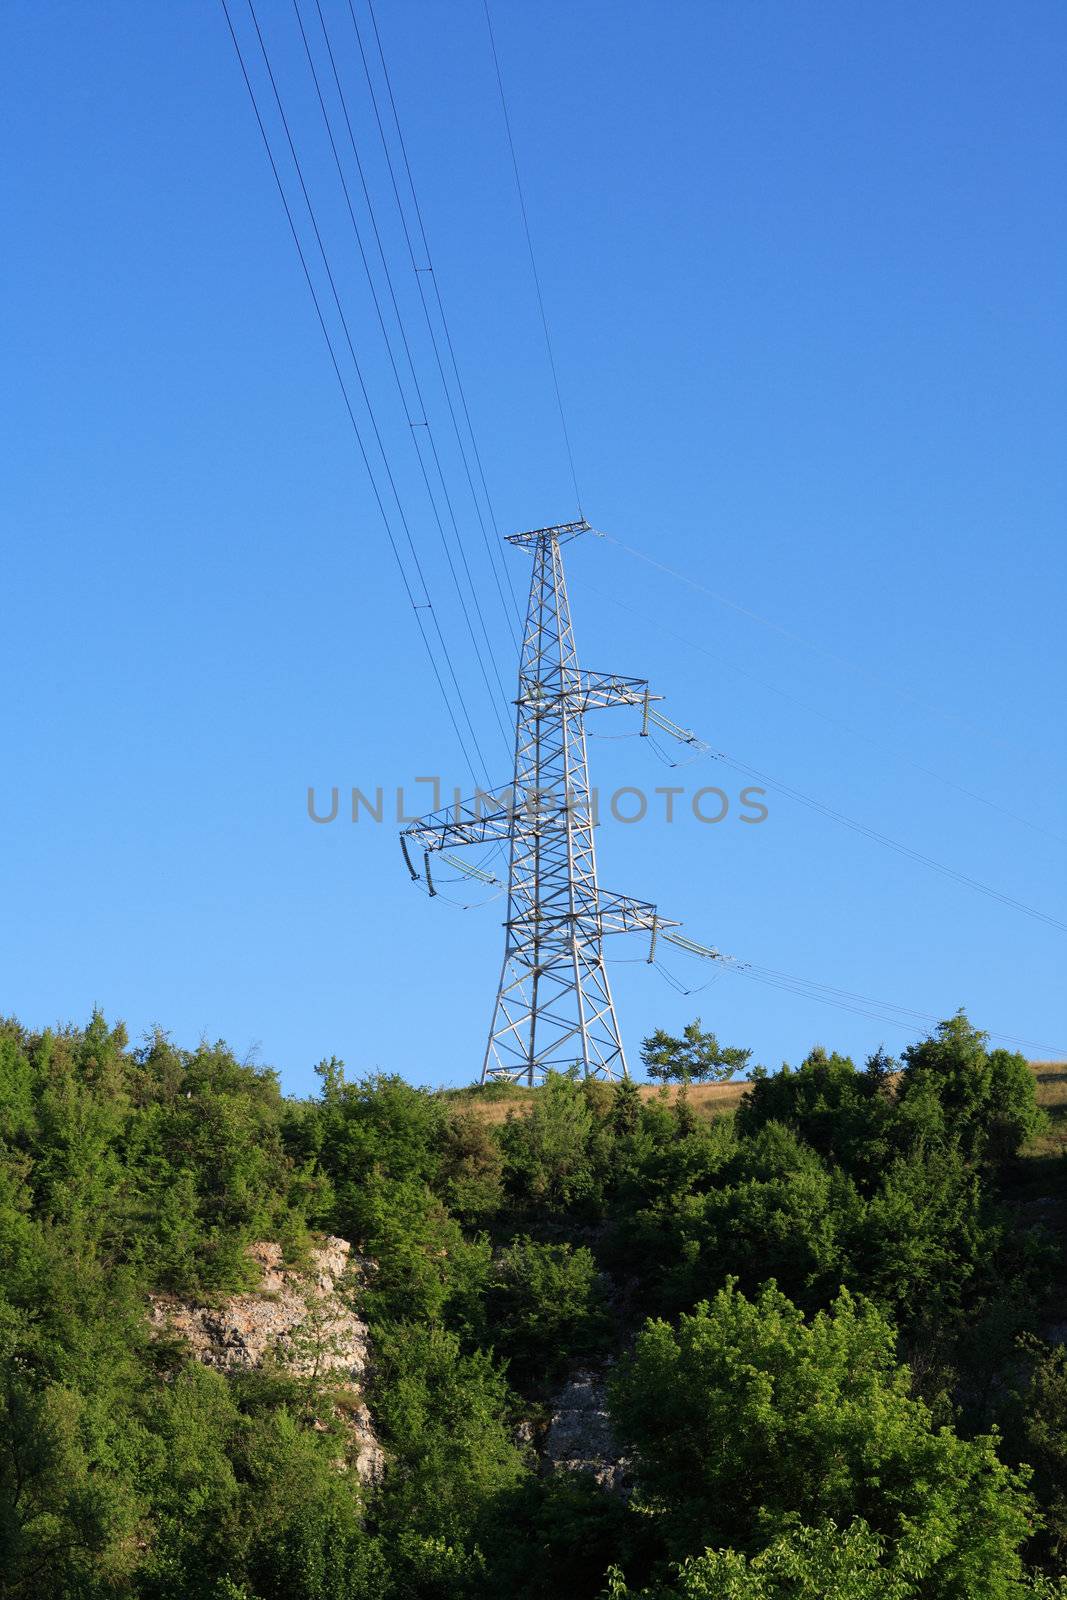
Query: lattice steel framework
point(554, 1009)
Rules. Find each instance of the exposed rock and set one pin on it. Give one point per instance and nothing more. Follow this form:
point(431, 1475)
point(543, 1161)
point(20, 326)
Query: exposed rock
point(301, 1318)
point(580, 1437)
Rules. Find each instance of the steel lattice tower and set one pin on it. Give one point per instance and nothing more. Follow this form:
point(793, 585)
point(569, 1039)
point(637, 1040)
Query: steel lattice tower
point(554, 1010)
point(554, 1004)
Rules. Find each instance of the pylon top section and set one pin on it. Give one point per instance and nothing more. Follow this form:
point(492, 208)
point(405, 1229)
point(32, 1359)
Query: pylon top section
point(561, 532)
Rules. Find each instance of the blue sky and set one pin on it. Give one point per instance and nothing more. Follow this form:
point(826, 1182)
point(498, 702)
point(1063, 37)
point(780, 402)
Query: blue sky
point(804, 268)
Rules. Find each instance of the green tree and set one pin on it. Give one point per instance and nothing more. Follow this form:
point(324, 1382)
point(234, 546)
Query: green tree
point(1045, 1435)
point(625, 1115)
point(776, 1211)
point(747, 1416)
point(850, 1563)
point(841, 1113)
point(696, 1057)
point(548, 1152)
point(424, 1265)
point(545, 1307)
point(471, 1176)
point(984, 1100)
point(378, 1126)
point(446, 1421)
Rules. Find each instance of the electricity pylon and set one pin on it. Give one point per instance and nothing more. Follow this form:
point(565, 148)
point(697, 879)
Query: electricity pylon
point(554, 1010)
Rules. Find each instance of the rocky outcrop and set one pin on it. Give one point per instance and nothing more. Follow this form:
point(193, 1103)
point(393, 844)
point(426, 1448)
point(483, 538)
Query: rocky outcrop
point(300, 1317)
point(579, 1437)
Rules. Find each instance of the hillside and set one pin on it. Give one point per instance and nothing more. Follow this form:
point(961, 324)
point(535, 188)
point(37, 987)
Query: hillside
point(386, 1343)
point(715, 1099)
point(495, 1102)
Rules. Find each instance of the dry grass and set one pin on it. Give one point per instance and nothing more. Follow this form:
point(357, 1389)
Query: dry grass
point(1052, 1095)
point(716, 1099)
point(707, 1099)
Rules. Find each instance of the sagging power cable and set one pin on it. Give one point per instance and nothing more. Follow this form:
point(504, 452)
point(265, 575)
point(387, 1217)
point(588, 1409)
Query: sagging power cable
point(533, 259)
point(426, 604)
point(416, 426)
point(417, 606)
point(796, 638)
point(493, 550)
point(837, 722)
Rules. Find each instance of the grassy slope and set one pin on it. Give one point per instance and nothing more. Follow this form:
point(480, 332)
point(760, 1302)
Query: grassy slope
point(498, 1101)
point(1036, 1185)
point(1052, 1094)
point(713, 1099)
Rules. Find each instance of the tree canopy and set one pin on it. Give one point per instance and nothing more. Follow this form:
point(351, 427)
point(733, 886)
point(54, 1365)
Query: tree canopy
point(697, 1057)
point(815, 1325)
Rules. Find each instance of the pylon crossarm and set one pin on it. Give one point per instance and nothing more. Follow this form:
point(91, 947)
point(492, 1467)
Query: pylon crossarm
point(621, 913)
point(559, 533)
point(481, 820)
point(592, 692)
point(600, 689)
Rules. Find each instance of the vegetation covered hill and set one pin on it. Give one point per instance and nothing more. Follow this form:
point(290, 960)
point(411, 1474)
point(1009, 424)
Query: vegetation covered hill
point(821, 1305)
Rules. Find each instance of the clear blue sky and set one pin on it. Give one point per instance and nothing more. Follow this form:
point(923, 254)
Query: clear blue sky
point(804, 265)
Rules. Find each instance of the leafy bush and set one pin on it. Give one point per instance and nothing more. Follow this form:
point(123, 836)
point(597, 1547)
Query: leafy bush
point(814, 1564)
point(545, 1307)
point(446, 1421)
point(841, 1113)
point(746, 1417)
point(548, 1152)
point(983, 1101)
point(775, 1426)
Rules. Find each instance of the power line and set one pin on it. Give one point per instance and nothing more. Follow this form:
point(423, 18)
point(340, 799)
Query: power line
point(493, 552)
point(825, 716)
point(533, 259)
point(884, 1011)
point(363, 387)
point(407, 348)
point(437, 295)
point(426, 604)
point(884, 1017)
point(677, 984)
point(413, 426)
point(871, 833)
point(860, 827)
point(808, 644)
point(892, 844)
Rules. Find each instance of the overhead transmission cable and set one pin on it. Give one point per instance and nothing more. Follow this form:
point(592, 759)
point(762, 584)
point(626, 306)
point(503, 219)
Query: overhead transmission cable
point(860, 1005)
point(893, 844)
point(427, 602)
point(678, 985)
point(704, 749)
point(533, 259)
point(418, 607)
point(837, 722)
point(873, 834)
point(415, 426)
point(885, 1011)
point(493, 551)
point(796, 638)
